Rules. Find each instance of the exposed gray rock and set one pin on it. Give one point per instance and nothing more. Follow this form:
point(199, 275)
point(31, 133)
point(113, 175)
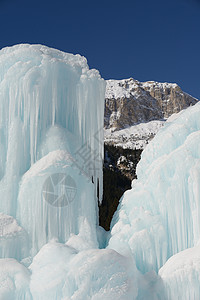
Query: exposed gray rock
point(129, 102)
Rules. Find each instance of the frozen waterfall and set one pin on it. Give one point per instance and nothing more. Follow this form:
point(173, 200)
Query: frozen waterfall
point(51, 124)
point(160, 215)
point(51, 151)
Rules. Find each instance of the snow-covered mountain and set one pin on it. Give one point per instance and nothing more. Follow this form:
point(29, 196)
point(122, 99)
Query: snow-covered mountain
point(135, 111)
point(133, 137)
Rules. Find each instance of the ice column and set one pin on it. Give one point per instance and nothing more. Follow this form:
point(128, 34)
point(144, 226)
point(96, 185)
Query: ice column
point(49, 101)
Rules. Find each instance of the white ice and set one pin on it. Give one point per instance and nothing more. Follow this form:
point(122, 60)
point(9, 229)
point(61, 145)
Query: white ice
point(159, 216)
point(62, 272)
point(180, 276)
point(13, 238)
point(14, 280)
point(51, 123)
point(43, 221)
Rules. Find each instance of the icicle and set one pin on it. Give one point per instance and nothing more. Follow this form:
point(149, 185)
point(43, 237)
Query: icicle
point(49, 101)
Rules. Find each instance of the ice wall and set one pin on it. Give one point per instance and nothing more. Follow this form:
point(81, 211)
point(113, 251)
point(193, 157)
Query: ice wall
point(160, 215)
point(50, 102)
point(44, 215)
point(180, 276)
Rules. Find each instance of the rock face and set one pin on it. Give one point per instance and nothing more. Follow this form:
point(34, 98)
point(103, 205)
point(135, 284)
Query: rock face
point(129, 102)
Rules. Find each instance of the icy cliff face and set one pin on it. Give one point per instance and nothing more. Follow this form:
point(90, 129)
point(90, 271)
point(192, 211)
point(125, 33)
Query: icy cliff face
point(159, 216)
point(51, 120)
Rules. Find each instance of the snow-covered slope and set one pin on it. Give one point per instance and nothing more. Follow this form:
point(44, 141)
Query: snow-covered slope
point(133, 137)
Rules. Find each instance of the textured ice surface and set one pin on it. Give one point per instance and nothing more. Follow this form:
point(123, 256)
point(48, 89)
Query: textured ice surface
point(51, 122)
point(180, 276)
point(159, 216)
point(14, 280)
point(13, 239)
point(42, 87)
point(61, 272)
point(44, 215)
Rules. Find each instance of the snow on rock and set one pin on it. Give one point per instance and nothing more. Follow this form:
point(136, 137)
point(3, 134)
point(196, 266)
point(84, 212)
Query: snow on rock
point(122, 159)
point(119, 88)
point(133, 137)
point(126, 87)
point(134, 111)
point(159, 216)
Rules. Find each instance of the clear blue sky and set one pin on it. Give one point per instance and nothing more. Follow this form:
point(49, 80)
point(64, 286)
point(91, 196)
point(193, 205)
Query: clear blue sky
point(147, 40)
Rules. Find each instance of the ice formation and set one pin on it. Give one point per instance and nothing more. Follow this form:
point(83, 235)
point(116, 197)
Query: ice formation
point(159, 216)
point(61, 272)
point(65, 217)
point(13, 238)
point(180, 276)
point(14, 280)
point(51, 119)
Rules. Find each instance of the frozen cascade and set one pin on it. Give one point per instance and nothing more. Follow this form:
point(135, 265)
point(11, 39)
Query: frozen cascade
point(51, 121)
point(160, 215)
point(51, 127)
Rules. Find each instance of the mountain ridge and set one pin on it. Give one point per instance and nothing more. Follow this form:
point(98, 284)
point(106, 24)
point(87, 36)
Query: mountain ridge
point(135, 111)
point(129, 102)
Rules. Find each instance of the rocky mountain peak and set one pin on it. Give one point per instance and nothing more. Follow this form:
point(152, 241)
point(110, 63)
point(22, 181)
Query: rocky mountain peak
point(129, 102)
